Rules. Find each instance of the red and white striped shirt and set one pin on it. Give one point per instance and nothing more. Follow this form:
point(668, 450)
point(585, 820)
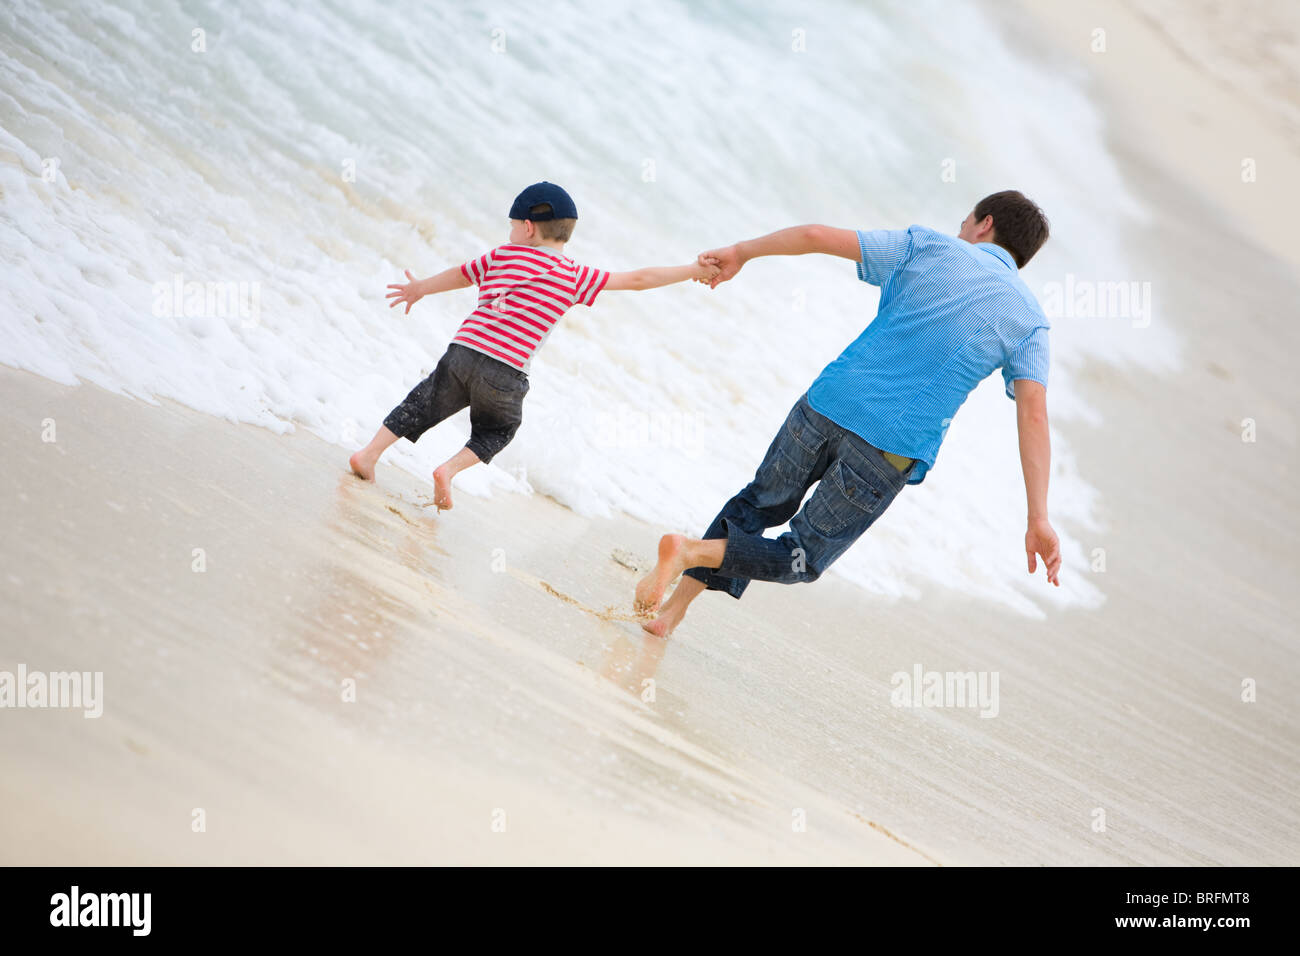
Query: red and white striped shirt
point(522, 292)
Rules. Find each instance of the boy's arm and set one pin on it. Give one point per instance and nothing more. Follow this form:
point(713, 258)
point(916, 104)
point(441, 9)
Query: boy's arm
point(656, 276)
point(415, 290)
point(445, 281)
point(1035, 461)
point(795, 241)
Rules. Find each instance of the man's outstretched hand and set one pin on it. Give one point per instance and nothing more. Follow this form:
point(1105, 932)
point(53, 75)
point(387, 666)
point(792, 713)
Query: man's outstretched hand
point(727, 259)
point(1041, 540)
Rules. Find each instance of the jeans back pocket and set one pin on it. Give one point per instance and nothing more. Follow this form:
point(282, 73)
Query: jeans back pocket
point(504, 380)
point(844, 498)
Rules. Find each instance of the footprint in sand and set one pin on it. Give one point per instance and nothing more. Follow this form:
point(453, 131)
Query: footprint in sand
point(633, 562)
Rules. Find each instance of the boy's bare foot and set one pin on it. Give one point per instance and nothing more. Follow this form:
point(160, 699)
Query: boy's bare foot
point(672, 562)
point(442, 487)
point(362, 467)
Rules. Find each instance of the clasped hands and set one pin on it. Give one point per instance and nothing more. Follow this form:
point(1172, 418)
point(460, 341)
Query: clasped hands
point(722, 264)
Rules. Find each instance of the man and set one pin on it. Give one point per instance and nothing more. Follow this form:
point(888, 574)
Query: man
point(952, 311)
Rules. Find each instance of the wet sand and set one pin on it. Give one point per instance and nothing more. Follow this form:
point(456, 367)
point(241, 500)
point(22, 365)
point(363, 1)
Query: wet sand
point(486, 679)
point(489, 681)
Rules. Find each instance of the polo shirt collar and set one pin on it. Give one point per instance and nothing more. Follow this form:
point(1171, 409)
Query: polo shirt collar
point(994, 249)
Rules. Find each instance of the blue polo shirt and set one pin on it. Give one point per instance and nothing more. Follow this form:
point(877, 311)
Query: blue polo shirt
point(951, 313)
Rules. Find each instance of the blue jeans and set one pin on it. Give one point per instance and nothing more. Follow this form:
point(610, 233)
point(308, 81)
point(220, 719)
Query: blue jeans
point(857, 483)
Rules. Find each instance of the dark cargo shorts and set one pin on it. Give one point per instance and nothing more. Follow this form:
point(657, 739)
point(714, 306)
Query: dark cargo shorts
point(493, 390)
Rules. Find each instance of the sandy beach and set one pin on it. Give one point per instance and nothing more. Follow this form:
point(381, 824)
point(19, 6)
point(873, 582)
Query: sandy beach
point(495, 671)
point(477, 690)
point(327, 671)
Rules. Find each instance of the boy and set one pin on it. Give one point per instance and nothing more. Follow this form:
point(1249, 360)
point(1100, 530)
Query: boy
point(525, 287)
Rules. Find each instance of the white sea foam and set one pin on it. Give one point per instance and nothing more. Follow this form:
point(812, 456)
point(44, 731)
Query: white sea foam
point(129, 161)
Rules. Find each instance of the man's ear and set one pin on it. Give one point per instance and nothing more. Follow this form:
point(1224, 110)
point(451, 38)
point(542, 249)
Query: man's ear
point(986, 225)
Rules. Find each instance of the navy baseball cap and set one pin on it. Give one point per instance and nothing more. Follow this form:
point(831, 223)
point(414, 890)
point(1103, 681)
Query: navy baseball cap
point(561, 204)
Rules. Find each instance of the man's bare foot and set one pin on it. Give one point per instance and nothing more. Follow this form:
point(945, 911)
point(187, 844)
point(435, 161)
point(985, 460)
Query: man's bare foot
point(362, 467)
point(442, 488)
point(672, 562)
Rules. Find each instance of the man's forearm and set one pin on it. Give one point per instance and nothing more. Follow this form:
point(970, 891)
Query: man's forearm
point(801, 240)
point(794, 241)
point(1035, 460)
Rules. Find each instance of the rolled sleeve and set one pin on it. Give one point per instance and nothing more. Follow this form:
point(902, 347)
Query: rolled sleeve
point(1029, 359)
point(883, 251)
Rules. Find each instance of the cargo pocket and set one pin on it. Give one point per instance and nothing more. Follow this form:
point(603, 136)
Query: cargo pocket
point(842, 499)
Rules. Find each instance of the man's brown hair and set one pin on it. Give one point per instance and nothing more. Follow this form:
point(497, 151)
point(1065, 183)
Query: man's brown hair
point(554, 229)
point(1019, 226)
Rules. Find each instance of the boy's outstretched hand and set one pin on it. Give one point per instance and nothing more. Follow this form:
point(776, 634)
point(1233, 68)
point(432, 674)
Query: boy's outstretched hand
point(410, 293)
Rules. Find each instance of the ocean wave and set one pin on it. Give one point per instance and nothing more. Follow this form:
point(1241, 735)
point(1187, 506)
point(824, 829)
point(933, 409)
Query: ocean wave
point(205, 201)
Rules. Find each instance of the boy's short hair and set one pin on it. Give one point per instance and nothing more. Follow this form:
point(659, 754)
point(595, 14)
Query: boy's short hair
point(1019, 226)
point(554, 229)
